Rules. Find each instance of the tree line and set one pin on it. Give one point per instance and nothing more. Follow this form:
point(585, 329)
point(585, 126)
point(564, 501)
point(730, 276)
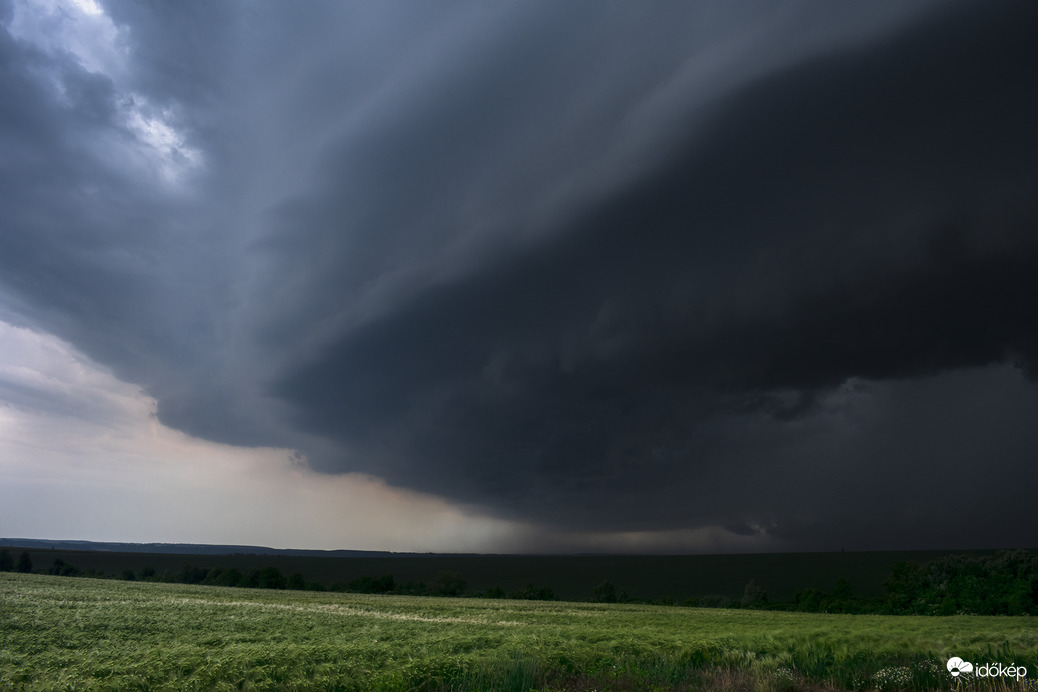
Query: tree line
point(9, 564)
point(1005, 583)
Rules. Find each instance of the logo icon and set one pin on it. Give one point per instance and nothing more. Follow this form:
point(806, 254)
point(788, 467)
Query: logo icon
point(956, 666)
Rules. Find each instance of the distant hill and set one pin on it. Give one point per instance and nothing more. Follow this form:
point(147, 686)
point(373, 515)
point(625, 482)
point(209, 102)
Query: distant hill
point(572, 577)
point(187, 548)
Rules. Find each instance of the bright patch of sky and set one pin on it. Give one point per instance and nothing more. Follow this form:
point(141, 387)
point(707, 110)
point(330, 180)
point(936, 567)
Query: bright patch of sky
point(81, 452)
point(82, 30)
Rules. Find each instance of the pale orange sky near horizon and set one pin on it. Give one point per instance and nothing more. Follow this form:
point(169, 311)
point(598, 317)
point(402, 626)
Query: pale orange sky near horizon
point(96, 464)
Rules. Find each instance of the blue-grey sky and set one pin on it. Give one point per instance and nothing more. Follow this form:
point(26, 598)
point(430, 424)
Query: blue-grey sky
point(520, 276)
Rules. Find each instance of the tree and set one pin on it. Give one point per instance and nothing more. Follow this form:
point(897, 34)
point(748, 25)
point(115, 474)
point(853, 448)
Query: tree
point(229, 577)
point(544, 593)
point(250, 580)
point(449, 584)
point(6, 561)
point(271, 578)
point(754, 596)
point(61, 568)
point(24, 563)
point(808, 600)
point(905, 588)
point(842, 590)
point(212, 577)
point(383, 584)
point(296, 582)
point(191, 574)
point(530, 593)
point(604, 593)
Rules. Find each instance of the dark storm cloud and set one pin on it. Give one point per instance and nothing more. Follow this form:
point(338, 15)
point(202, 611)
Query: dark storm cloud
point(90, 250)
point(864, 213)
point(582, 265)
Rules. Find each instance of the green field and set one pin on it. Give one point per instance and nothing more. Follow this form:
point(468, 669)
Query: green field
point(71, 633)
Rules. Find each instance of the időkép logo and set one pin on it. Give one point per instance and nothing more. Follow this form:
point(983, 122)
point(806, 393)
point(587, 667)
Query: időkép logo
point(956, 666)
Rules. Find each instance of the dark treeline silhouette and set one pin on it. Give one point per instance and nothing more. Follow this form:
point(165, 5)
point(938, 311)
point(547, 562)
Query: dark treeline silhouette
point(60, 568)
point(384, 584)
point(1002, 584)
point(9, 564)
point(1005, 583)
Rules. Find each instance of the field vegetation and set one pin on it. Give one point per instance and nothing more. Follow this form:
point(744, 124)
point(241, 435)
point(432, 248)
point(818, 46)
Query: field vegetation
point(91, 634)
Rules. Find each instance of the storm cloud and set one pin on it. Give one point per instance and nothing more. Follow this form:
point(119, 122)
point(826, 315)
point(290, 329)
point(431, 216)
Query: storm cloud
point(588, 267)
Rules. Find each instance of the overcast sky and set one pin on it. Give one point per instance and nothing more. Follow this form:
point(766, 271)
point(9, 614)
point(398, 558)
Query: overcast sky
point(520, 276)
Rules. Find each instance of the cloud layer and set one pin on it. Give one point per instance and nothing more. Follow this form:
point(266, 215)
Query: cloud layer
point(764, 271)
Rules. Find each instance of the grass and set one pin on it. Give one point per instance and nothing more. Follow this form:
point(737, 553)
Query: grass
point(86, 634)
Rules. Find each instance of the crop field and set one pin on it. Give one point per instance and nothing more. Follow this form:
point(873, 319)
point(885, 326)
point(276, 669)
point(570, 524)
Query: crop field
point(89, 634)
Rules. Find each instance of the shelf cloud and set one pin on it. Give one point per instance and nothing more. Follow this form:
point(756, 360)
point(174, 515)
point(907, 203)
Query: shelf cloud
point(762, 271)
